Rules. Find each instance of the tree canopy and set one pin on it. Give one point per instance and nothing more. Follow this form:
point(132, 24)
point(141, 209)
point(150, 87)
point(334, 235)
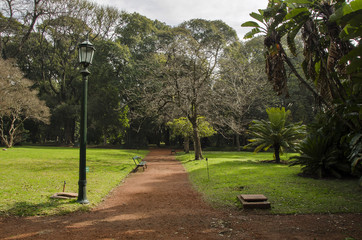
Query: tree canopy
point(144, 74)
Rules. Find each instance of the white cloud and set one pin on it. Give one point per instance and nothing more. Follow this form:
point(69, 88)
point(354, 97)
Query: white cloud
point(232, 12)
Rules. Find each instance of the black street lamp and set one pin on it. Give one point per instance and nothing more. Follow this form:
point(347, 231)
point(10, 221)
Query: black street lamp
point(85, 52)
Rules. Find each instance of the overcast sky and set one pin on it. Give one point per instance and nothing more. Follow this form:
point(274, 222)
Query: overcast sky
point(172, 12)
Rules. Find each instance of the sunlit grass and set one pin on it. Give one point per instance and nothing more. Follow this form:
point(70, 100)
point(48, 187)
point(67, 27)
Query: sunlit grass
point(30, 175)
point(234, 173)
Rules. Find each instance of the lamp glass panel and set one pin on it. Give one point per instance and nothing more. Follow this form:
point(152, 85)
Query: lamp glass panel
point(89, 54)
point(83, 54)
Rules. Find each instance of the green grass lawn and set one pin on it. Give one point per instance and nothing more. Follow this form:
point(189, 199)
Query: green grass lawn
point(30, 175)
point(234, 173)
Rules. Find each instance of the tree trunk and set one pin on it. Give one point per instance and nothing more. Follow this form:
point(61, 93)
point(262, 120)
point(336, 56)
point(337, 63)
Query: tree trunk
point(237, 141)
point(277, 153)
point(167, 137)
point(4, 140)
point(11, 135)
point(11, 141)
point(197, 143)
point(187, 144)
point(1, 47)
point(104, 138)
point(68, 131)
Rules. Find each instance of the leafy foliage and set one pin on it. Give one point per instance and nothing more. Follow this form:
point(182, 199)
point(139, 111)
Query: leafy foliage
point(323, 153)
point(43, 36)
point(183, 127)
point(325, 43)
point(330, 149)
point(107, 114)
point(356, 156)
point(317, 157)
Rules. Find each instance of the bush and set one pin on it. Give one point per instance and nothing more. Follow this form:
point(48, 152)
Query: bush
point(318, 157)
point(330, 149)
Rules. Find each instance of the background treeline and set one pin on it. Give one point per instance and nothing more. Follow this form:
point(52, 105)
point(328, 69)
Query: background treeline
point(145, 74)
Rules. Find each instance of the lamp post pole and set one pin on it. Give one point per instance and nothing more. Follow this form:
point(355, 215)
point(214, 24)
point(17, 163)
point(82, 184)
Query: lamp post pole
point(85, 51)
point(82, 192)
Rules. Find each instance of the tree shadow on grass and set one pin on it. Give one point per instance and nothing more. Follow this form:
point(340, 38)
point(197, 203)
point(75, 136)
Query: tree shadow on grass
point(24, 208)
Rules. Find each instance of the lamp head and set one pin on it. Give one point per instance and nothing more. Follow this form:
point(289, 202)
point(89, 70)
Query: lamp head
point(85, 53)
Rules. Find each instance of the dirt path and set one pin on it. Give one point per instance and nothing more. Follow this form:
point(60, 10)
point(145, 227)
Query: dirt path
point(161, 204)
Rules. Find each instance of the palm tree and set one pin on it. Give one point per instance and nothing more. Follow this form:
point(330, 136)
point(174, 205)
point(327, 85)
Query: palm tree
point(275, 133)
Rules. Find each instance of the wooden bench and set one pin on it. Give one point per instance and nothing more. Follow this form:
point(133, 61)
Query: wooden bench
point(139, 163)
point(173, 151)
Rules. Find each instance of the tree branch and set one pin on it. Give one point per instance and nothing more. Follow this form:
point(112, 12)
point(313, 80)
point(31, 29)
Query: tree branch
point(304, 82)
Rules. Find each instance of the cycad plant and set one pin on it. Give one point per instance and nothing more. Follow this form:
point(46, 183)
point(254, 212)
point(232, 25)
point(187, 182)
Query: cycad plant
point(327, 151)
point(318, 157)
point(275, 133)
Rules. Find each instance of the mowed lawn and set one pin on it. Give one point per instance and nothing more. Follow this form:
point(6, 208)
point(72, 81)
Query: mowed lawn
point(30, 175)
point(234, 173)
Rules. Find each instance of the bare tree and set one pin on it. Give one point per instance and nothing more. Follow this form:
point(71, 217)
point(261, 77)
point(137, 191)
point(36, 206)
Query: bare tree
point(240, 88)
point(17, 103)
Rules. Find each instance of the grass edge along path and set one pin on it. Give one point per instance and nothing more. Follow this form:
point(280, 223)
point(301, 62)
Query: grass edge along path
point(234, 173)
point(30, 175)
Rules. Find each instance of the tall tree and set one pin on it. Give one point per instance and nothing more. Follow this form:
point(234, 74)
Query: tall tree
point(17, 103)
point(240, 92)
point(140, 35)
point(186, 68)
point(107, 112)
point(50, 58)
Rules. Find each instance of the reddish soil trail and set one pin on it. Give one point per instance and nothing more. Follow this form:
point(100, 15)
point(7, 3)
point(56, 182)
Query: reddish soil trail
point(160, 203)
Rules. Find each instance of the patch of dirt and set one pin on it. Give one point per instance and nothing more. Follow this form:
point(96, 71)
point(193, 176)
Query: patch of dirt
point(160, 203)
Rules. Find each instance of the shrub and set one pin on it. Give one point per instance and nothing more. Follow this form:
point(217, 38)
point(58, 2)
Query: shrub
point(330, 149)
